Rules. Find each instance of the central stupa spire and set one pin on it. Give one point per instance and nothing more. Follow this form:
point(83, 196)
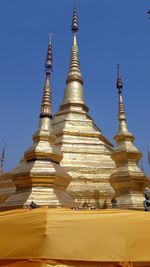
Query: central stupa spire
point(74, 73)
point(74, 81)
point(86, 152)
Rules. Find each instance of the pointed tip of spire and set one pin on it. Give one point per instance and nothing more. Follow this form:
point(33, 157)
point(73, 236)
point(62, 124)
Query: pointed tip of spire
point(48, 61)
point(50, 38)
point(74, 72)
point(119, 83)
point(74, 26)
point(118, 71)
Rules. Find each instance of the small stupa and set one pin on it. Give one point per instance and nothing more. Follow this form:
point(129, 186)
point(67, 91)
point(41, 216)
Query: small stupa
point(39, 179)
point(128, 180)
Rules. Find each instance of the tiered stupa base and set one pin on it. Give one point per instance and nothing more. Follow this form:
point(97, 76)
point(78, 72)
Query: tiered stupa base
point(130, 189)
point(50, 197)
point(131, 201)
point(42, 182)
point(86, 155)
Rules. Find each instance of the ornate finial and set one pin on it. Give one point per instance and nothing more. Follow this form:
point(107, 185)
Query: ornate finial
point(121, 113)
point(48, 61)
point(119, 84)
point(74, 26)
point(46, 107)
point(74, 73)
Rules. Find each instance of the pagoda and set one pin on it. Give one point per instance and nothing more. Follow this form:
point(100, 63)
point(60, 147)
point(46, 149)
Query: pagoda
point(39, 179)
point(86, 152)
point(128, 180)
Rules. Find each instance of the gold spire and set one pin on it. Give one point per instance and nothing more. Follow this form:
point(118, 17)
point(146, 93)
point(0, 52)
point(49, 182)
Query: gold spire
point(121, 112)
point(46, 107)
point(45, 132)
point(74, 73)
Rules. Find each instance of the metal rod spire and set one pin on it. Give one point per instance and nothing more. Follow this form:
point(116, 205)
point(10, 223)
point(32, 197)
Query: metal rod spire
point(46, 107)
point(119, 85)
point(2, 159)
point(75, 26)
point(50, 37)
point(148, 155)
point(74, 73)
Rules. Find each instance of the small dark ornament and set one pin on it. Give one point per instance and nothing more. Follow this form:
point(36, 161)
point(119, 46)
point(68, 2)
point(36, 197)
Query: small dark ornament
point(148, 13)
point(33, 205)
point(114, 203)
point(146, 202)
point(105, 204)
point(86, 206)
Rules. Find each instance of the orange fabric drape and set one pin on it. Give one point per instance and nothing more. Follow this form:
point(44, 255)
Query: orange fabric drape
point(75, 236)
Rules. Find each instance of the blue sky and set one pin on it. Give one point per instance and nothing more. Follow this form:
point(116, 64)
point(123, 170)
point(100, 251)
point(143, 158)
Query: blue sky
point(111, 32)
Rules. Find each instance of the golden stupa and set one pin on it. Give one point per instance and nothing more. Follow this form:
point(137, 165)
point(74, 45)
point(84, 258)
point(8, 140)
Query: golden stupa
point(86, 152)
point(70, 158)
point(39, 179)
point(128, 180)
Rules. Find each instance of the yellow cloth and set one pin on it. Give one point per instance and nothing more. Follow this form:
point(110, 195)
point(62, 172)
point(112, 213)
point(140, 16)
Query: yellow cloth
point(75, 236)
point(45, 263)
